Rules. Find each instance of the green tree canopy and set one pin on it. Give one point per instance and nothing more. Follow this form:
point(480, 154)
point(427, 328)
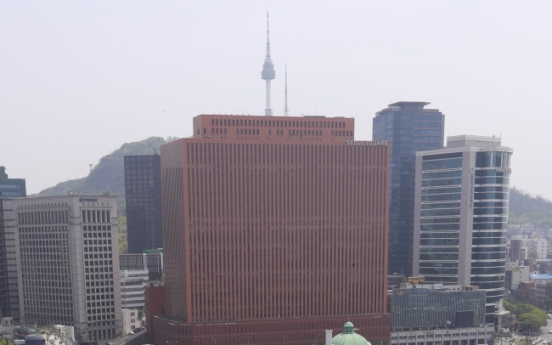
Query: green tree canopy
point(529, 318)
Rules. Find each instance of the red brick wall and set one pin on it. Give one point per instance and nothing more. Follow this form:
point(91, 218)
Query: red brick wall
point(154, 305)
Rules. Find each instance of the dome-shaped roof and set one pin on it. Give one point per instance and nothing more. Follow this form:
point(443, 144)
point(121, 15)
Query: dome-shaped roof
point(349, 337)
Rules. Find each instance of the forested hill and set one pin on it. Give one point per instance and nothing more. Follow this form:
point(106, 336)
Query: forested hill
point(525, 208)
point(108, 174)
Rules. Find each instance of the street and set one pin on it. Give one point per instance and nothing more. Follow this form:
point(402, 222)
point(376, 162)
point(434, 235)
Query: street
point(513, 340)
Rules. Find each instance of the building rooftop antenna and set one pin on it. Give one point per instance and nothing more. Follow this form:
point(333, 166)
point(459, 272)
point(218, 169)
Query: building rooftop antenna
point(286, 111)
point(268, 72)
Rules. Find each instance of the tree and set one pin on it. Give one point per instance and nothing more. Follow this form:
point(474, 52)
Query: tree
point(530, 318)
point(533, 320)
point(533, 255)
point(123, 235)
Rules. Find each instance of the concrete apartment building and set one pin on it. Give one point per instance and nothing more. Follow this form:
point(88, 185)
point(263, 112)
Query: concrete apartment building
point(461, 213)
point(68, 263)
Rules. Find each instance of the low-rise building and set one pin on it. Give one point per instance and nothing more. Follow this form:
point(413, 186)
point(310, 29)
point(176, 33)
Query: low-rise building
point(133, 285)
point(150, 259)
point(515, 274)
point(131, 320)
point(437, 314)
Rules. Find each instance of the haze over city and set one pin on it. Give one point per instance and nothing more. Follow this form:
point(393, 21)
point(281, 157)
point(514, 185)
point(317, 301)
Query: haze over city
point(80, 79)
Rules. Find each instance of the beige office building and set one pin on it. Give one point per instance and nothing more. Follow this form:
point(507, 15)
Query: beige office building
point(68, 263)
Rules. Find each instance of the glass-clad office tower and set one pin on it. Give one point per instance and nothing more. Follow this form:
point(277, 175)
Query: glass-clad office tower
point(11, 187)
point(409, 128)
point(9, 291)
point(143, 202)
point(461, 213)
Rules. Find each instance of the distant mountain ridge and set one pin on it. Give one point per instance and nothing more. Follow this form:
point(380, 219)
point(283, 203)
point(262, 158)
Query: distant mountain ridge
point(525, 208)
point(108, 175)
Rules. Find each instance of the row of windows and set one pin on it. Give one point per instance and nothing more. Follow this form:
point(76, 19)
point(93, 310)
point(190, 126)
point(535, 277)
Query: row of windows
point(102, 333)
point(96, 263)
point(136, 173)
point(99, 291)
point(488, 256)
point(439, 235)
point(492, 180)
point(492, 159)
point(442, 182)
point(47, 230)
point(97, 228)
point(44, 243)
point(441, 174)
point(435, 271)
point(488, 270)
point(43, 236)
point(97, 249)
point(97, 242)
point(441, 205)
point(441, 212)
point(436, 257)
point(441, 242)
point(491, 173)
point(104, 298)
point(490, 226)
point(96, 216)
point(440, 164)
point(44, 250)
point(441, 197)
point(55, 267)
point(440, 220)
point(43, 217)
point(36, 294)
point(489, 241)
point(439, 250)
point(96, 234)
point(438, 264)
point(279, 123)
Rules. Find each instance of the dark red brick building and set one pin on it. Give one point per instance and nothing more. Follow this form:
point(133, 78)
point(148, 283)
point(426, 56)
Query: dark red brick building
point(154, 305)
point(275, 229)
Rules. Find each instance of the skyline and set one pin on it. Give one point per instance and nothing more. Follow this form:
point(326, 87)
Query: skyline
point(80, 73)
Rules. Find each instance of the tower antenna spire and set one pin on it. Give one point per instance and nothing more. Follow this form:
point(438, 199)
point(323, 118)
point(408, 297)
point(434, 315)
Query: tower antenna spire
point(267, 36)
point(286, 111)
point(268, 72)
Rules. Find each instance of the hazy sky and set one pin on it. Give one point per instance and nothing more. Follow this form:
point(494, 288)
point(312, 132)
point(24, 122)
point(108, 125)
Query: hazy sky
point(80, 78)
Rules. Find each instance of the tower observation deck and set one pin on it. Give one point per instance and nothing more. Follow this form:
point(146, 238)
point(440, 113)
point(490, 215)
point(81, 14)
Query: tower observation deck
point(268, 72)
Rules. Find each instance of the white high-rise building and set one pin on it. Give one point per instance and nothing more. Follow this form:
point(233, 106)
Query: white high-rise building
point(537, 245)
point(461, 214)
point(133, 289)
point(68, 263)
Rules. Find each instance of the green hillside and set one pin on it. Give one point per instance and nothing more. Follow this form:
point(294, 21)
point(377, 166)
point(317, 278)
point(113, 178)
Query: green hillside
point(108, 174)
point(525, 208)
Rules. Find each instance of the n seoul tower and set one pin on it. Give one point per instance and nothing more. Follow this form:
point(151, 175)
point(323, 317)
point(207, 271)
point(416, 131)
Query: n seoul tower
point(268, 72)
